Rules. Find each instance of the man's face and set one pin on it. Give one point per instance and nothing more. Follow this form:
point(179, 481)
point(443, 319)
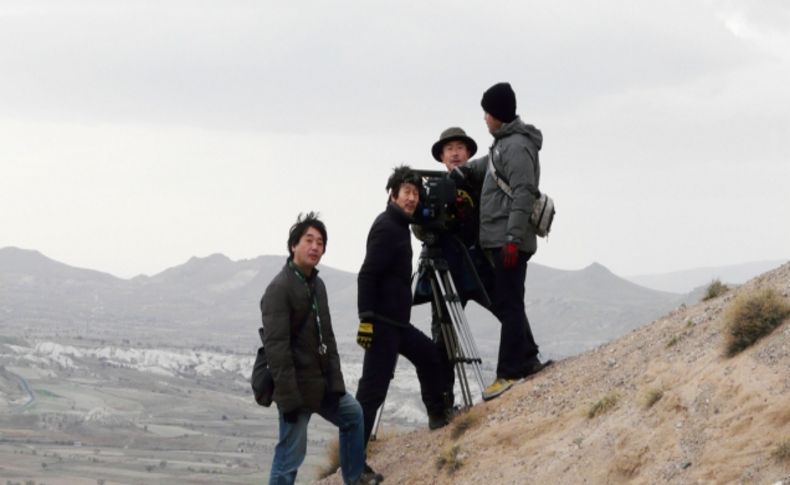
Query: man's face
point(407, 198)
point(454, 154)
point(309, 249)
point(492, 123)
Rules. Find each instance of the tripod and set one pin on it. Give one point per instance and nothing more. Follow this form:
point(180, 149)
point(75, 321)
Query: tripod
point(454, 329)
point(453, 325)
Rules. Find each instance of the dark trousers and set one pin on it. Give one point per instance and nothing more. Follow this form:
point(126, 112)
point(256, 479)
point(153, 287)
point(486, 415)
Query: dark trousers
point(378, 369)
point(516, 344)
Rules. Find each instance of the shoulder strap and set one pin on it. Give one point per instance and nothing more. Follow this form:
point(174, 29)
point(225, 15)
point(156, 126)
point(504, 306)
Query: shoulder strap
point(501, 183)
point(504, 185)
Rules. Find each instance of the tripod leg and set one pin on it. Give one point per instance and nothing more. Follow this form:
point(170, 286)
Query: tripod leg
point(380, 410)
point(454, 341)
point(377, 422)
point(448, 334)
point(467, 344)
point(458, 341)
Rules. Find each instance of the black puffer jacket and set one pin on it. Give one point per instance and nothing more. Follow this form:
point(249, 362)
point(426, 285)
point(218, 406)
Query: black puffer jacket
point(384, 281)
point(300, 373)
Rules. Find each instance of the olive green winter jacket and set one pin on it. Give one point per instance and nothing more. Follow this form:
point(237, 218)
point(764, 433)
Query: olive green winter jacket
point(290, 337)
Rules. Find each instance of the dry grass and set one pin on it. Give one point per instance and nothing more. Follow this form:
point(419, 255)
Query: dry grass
point(652, 397)
point(751, 317)
point(716, 288)
point(674, 341)
point(464, 421)
point(782, 452)
point(450, 459)
point(604, 405)
point(333, 459)
point(333, 452)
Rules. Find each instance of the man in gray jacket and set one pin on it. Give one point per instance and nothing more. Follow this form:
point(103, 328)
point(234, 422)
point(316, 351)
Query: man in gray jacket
point(304, 362)
point(509, 176)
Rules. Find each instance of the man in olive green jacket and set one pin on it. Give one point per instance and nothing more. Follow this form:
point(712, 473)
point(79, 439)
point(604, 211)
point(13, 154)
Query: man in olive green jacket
point(303, 359)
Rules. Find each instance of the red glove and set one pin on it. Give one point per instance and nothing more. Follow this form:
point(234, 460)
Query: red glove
point(510, 255)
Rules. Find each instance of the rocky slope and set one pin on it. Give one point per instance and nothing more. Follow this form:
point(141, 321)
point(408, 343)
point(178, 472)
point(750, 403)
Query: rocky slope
point(713, 420)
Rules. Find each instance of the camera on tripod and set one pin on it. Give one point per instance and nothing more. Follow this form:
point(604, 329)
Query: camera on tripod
point(436, 211)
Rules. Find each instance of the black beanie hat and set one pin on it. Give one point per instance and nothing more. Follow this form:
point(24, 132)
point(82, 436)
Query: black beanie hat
point(500, 102)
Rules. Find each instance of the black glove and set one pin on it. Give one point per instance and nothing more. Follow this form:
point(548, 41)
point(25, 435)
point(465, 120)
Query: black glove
point(291, 416)
point(365, 335)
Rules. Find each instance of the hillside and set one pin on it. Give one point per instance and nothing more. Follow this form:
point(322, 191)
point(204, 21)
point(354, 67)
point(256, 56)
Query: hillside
point(719, 420)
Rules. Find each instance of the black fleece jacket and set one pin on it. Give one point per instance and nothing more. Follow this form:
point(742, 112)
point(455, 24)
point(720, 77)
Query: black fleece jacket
point(384, 281)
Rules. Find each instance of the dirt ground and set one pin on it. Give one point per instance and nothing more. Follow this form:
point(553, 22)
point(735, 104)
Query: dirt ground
point(678, 412)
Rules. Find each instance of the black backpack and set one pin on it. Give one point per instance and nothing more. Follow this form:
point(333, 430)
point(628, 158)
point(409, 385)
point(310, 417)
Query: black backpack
point(262, 381)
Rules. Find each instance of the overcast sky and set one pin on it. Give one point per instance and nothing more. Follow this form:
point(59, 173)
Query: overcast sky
point(134, 135)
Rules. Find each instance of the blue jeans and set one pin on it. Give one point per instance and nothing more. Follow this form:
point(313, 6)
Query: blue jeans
point(292, 446)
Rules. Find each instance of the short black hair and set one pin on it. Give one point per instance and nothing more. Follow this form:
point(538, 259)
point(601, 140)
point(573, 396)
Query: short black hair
point(304, 222)
point(402, 175)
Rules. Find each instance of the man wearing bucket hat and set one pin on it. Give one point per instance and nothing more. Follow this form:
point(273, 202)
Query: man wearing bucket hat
point(453, 149)
point(505, 232)
point(470, 271)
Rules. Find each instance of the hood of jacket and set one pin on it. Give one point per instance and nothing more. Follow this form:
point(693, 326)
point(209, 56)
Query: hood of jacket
point(519, 127)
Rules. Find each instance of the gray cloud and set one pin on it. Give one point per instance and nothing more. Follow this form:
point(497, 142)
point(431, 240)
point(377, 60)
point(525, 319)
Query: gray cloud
point(173, 128)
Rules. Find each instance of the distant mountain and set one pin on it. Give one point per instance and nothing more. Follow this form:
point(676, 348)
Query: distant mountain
point(213, 301)
point(33, 264)
point(210, 300)
point(688, 280)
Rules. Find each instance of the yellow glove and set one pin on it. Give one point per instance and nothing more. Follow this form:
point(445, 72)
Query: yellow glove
point(365, 335)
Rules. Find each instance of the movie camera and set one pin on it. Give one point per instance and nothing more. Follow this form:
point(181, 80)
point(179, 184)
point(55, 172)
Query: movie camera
point(436, 211)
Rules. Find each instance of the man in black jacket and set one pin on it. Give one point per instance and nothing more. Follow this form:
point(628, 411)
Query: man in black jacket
point(457, 244)
point(384, 304)
point(304, 362)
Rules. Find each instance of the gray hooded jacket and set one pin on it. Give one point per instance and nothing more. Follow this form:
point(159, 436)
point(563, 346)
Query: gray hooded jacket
point(515, 157)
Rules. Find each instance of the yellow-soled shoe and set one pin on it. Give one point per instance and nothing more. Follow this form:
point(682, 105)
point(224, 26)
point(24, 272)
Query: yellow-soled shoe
point(496, 388)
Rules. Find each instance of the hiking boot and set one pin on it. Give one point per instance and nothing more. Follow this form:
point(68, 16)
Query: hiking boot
point(535, 366)
point(363, 480)
point(436, 421)
point(496, 388)
point(370, 477)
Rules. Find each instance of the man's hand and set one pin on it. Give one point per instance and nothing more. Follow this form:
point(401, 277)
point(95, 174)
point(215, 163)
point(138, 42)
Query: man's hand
point(291, 416)
point(332, 400)
point(365, 335)
point(458, 175)
point(510, 255)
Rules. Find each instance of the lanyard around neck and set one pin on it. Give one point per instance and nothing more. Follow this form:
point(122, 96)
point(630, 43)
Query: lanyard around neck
point(311, 294)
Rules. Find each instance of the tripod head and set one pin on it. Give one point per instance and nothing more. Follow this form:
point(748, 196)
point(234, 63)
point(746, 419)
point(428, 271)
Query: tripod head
point(450, 256)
